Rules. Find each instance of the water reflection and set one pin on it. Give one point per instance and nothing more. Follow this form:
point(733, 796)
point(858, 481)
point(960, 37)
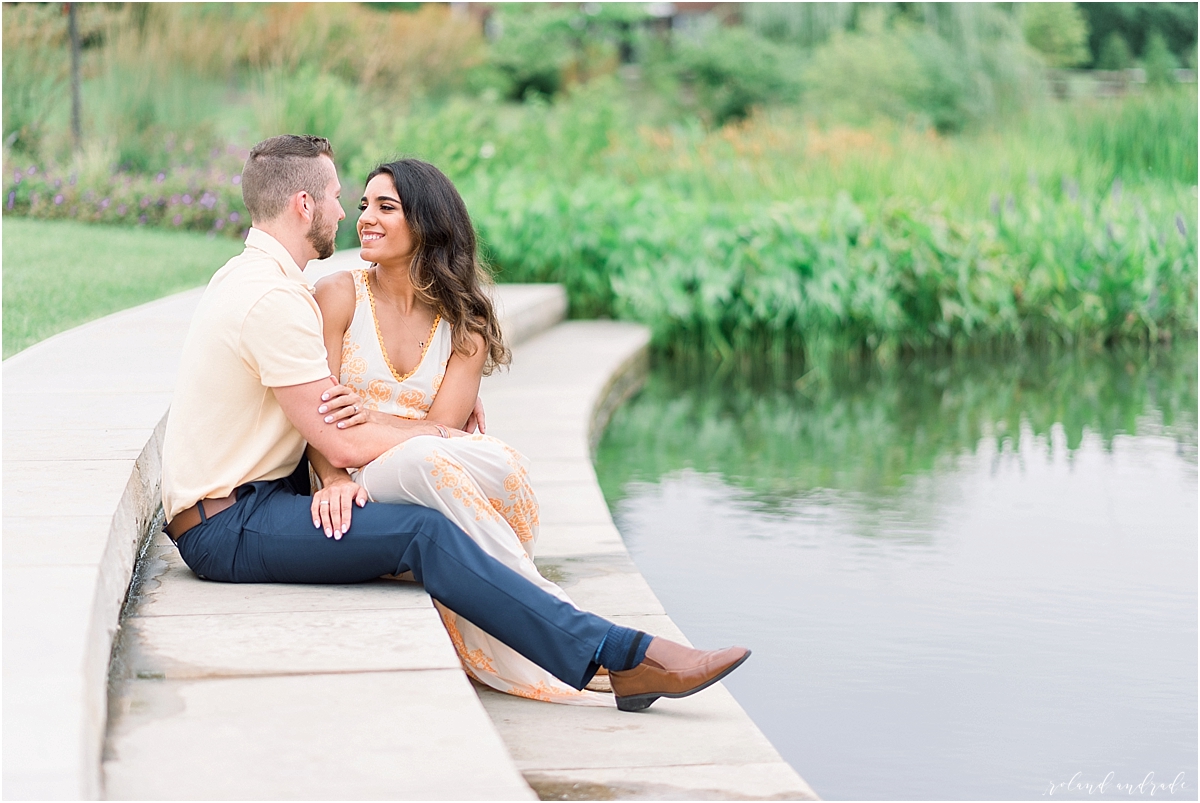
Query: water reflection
point(966, 579)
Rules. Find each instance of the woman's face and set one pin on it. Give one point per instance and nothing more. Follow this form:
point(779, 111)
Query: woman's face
point(382, 229)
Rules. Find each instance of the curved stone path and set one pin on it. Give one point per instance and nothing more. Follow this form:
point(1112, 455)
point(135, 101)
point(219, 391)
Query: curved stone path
point(223, 691)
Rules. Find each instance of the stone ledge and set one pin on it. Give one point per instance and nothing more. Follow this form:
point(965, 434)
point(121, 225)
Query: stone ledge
point(82, 485)
point(553, 407)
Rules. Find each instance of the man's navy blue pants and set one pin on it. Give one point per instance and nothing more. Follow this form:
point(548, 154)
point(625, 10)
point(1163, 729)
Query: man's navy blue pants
point(267, 536)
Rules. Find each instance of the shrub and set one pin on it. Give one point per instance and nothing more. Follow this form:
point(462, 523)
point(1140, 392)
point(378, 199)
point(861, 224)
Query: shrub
point(1058, 31)
point(1160, 61)
point(541, 50)
point(732, 70)
point(1115, 54)
point(912, 74)
point(35, 72)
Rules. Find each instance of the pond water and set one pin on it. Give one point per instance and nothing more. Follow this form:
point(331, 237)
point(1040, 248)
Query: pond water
point(960, 578)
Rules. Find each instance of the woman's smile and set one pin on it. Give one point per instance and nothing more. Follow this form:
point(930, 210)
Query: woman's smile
point(382, 228)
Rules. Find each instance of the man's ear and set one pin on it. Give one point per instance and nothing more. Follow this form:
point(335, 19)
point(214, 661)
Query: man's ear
point(303, 205)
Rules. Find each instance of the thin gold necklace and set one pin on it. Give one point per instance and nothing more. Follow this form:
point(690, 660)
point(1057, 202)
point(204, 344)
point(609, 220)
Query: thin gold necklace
point(387, 297)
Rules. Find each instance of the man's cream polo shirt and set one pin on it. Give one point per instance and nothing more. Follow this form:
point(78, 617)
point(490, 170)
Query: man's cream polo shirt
point(257, 327)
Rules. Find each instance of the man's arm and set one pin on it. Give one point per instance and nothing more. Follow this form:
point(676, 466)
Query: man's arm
point(351, 446)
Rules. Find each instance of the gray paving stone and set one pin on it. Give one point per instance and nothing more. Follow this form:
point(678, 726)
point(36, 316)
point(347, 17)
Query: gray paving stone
point(74, 444)
point(610, 593)
point(767, 781)
point(707, 728)
point(572, 540)
point(64, 487)
point(571, 503)
point(132, 410)
point(291, 643)
point(60, 540)
point(544, 472)
point(358, 736)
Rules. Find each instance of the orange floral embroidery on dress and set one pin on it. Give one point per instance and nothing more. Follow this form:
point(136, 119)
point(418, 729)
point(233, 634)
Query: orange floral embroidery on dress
point(470, 659)
point(451, 476)
point(353, 366)
point(379, 391)
point(413, 399)
point(520, 509)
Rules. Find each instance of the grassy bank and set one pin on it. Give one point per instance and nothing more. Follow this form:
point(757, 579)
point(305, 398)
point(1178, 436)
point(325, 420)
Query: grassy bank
point(59, 274)
point(843, 211)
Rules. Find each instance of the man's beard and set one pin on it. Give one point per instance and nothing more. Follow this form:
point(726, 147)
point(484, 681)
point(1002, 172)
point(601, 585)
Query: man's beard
point(321, 236)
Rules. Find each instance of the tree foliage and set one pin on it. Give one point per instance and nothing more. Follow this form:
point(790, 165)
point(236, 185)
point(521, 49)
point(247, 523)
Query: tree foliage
point(1058, 31)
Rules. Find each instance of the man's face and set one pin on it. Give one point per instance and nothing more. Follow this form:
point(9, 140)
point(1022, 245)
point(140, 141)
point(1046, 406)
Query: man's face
point(326, 215)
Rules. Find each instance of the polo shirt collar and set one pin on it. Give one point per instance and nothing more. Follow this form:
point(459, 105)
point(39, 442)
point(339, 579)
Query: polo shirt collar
point(257, 238)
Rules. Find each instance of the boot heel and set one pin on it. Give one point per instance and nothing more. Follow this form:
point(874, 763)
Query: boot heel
point(638, 703)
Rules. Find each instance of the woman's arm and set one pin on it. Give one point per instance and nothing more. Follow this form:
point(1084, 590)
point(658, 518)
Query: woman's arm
point(335, 297)
point(459, 392)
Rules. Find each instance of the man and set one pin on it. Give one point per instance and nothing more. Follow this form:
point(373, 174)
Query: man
point(249, 398)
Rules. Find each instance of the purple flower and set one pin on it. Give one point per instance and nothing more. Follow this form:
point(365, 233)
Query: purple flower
point(175, 221)
point(32, 169)
point(17, 177)
point(71, 180)
point(219, 223)
point(208, 200)
point(142, 219)
point(187, 200)
point(58, 199)
point(1179, 224)
point(12, 199)
point(122, 209)
point(174, 200)
point(104, 204)
point(234, 217)
point(160, 178)
point(237, 179)
point(145, 202)
point(57, 183)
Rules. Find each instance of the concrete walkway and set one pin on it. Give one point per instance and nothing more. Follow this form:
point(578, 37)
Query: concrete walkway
point(225, 691)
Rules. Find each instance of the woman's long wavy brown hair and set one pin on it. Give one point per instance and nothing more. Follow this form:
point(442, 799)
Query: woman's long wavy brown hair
point(446, 271)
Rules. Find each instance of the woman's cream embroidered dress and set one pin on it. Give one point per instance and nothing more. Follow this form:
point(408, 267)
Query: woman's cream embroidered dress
point(478, 482)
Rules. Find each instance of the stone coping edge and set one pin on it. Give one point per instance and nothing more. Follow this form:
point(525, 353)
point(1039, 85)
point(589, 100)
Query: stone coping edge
point(77, 774)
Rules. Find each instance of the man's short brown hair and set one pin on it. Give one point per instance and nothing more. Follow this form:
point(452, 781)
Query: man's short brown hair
point(280, 167)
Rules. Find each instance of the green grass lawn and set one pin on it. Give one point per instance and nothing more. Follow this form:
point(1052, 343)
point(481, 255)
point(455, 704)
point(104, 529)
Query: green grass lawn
point(59, 274)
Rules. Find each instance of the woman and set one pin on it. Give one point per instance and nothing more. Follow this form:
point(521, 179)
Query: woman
point(412, 335)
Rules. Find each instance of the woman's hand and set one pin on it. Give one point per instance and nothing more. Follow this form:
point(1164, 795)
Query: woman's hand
point(476, 420)
point(333, 504)
point(342, 406)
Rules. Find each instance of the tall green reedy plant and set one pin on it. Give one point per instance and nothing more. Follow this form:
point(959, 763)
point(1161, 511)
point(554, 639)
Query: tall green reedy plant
point(1152, 134)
